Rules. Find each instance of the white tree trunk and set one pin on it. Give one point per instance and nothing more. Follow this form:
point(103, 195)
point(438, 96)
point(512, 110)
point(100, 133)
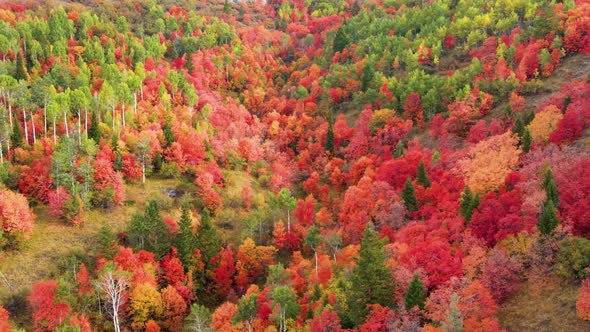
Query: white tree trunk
point(25, 123)
point(134, 102)
point(66, 125)
point(45, 120)
point(33, 125)
point(54, 130)
point(79, 128)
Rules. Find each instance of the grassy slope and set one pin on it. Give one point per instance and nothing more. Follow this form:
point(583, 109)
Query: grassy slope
point(40, 258)
point(547, 307)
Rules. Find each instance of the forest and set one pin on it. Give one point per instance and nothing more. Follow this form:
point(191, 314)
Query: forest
point(295, 165)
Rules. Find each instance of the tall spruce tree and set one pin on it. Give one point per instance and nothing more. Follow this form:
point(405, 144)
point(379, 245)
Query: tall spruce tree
point(207, 239)
point(551, 188)
point(421, 177)
point(548, 220)
point(469, 202)
point(16, 137)
point(330, 138)
point(93, 131)
point(149, 231)
point(185, 241)
point(416, 294)
point(409, 196)
point(21, 71)
point(526, 141)
point(340, 40)
point(371, 280)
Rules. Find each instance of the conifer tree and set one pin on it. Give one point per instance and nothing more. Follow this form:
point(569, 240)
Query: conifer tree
point(149, 231)
point(207, 239)
point(168, 135)
point(20, 73)
point(106, 242)
point(469, 202)
point(409, 196)
point(371, 280)
point(548, 220)
point(330, 139)
point(93, 131)
point(551, 188)
point(367, 75)
point(421, 177)
point(340, 40)
point(185, 241)
point(16, 138)
point(526, 141)
point(416, 294)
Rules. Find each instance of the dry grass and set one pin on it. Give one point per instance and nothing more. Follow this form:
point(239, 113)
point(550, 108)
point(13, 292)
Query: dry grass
point(542, 305)
point(41, 257)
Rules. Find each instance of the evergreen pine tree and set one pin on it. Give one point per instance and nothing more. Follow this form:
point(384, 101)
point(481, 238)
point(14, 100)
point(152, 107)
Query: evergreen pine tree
point(548, 220)
point(168, 135)
point(409, 196)
point(330, 139)
point(20, 73)
point(93, 131)
point(416, 294)
point(340, 40)
point(149, 231)
point(469, 202)
point(367, 75)
point(207, 239)
point(185, 241)
point(566, 102)
point(526, 141)
point(551, 188)
point(518, 127)
point(106, 242)
point(371, 280)
point(16, 137)
point(421, 177)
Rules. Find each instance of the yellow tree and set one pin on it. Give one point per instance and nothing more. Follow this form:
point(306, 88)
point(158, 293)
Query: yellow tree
point(544, 124)
point(489, 162)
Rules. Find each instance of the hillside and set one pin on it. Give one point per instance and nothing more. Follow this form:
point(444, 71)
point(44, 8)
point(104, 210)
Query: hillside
point(334, 165)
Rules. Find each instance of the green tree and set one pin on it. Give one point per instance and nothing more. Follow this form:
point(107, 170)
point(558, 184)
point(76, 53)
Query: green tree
point(313, 240)
point(454, 322)
point(526, 141)
point(409, 196)
point(421, 177)
point(149, 231)
point(185, 241)
point(469, 202)
point(168, 135)
point(199, 319)
point(573, 257)
point(416, 294)
point(340, 40)
point(21, 71)
point(548, 220)
point(94, 131)
point(330, 139)
point(106, 242)
point(16, 138)
point(247, 311)
point(288, 202)
point(285, 299)
point(371, 280)
point(551, 188)
point(367, 75)
point(207, 239)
